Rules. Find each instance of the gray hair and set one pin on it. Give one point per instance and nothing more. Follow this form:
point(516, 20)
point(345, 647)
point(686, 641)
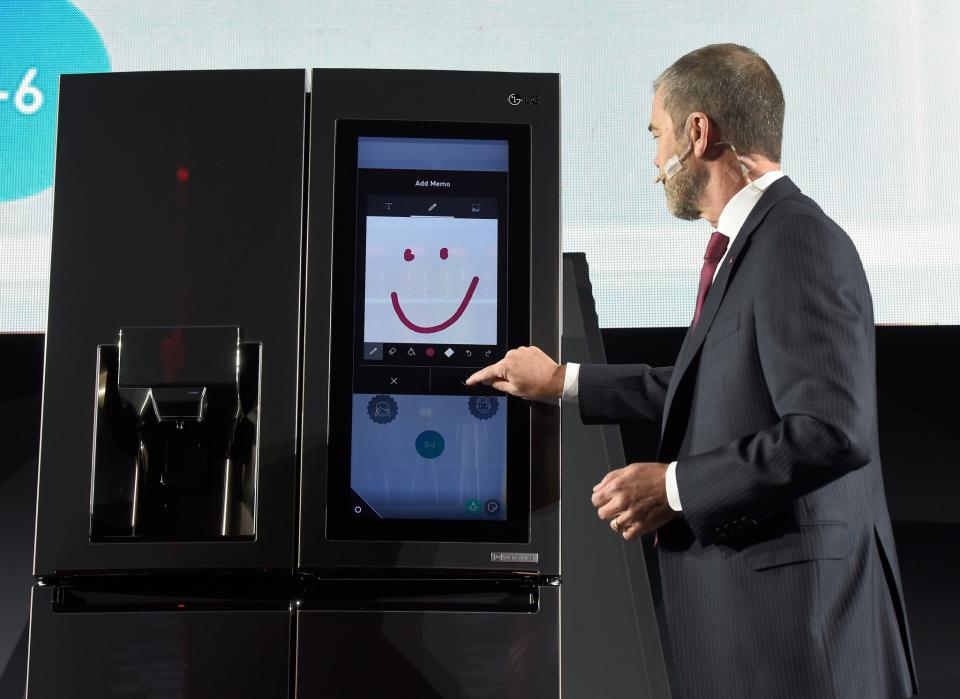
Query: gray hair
point(733, 86)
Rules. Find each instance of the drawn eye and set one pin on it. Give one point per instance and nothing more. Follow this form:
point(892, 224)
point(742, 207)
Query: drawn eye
point(444, 253)
point(408, 254)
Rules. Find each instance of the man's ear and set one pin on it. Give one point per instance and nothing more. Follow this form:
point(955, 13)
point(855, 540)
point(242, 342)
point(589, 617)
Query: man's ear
point(701, 133)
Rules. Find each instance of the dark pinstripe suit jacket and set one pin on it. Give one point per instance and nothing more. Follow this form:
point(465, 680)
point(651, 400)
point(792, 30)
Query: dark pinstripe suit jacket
point(780, 579)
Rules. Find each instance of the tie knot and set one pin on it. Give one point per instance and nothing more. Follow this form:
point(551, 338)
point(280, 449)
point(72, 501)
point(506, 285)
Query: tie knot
point(716, 247)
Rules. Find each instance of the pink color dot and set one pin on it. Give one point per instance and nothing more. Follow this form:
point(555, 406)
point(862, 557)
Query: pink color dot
point(183, 174)
point(444, 253)
point(429, 351)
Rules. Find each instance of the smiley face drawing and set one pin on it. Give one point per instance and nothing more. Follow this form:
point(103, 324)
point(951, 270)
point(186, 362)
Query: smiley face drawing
point(430, 279)
point(409, 256)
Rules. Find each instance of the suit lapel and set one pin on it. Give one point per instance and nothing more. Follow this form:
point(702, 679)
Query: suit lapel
point(780, 189)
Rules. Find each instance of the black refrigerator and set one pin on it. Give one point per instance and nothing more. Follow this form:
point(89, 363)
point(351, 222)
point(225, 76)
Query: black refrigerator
point(261, 473)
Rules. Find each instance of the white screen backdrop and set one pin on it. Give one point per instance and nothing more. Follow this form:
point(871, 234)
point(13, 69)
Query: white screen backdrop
point(870, 87)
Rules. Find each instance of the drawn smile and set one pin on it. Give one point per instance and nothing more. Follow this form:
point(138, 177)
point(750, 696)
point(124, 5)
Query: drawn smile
point(445, 324)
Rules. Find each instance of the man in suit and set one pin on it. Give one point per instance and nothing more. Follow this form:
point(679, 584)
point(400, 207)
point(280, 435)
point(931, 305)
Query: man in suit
point(780, 576)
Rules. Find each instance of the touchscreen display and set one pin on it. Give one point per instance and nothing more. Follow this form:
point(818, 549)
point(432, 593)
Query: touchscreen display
point(424, 244)
point(430, 457)
point(422, 447)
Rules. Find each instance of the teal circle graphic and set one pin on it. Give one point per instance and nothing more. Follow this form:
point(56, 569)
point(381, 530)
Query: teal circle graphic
point(430, 444)
point(41, 40)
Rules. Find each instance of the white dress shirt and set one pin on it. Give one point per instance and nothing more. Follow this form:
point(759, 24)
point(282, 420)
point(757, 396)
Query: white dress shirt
point(731, 220)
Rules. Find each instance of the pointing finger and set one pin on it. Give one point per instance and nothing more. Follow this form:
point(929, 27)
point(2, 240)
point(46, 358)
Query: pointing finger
point(486, 375)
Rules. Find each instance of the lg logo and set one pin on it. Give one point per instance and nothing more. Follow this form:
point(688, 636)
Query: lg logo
point(516, 100)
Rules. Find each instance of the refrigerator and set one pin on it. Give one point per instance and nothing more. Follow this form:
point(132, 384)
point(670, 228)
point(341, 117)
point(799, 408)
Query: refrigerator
point(261, 473)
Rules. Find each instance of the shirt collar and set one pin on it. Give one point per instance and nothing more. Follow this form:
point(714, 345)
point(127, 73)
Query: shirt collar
point(735, 213)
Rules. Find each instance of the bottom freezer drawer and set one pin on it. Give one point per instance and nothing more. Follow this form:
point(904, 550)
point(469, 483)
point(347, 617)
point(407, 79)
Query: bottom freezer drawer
point(430, 654)
point(156, 654)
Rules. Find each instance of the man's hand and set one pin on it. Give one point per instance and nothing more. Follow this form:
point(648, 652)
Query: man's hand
point(525, 372)
point(634, 499)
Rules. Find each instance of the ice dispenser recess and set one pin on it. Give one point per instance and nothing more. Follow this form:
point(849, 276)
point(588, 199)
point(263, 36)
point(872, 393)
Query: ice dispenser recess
point(175, 451)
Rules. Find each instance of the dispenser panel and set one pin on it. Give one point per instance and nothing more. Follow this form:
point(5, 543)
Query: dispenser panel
point(175, 436)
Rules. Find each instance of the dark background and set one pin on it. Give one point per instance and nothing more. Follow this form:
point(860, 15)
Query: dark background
point(919, 388)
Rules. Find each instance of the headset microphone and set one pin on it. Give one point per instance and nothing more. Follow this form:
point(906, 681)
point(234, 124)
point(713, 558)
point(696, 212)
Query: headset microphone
point(744, 170)
point(674, 164)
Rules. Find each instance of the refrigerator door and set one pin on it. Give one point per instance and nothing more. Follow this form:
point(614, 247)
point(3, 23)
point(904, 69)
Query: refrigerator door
point(430, 653)
point(401, 463)
point(177, 219)
point(156, 654)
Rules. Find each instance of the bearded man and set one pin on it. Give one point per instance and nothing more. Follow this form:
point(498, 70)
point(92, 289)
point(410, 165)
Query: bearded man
point(779, 572)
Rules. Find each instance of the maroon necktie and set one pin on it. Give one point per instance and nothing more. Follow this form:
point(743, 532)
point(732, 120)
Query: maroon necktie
point(715, 249)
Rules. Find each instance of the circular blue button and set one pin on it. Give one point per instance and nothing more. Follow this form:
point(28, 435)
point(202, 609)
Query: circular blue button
point(430, 444)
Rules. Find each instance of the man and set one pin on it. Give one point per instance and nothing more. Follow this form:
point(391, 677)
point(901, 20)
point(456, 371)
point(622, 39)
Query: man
point(780, 577)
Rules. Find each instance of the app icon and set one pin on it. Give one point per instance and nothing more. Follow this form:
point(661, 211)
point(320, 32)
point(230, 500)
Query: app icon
point(382, 409)
point(492, 506)
point(483, 407)
point(473, 506)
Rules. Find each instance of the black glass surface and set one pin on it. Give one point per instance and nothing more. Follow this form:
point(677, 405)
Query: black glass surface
point(179, 202)
point(418, 241)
